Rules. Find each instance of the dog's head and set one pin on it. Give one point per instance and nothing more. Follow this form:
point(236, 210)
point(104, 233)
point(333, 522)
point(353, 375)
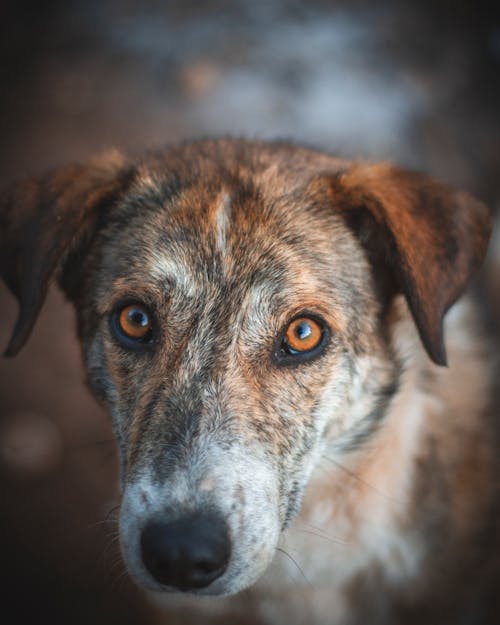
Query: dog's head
point(231, 301)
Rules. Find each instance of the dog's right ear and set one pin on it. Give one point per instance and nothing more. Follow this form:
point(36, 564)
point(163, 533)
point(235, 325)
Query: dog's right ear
point(45, 219)
point(426, 239)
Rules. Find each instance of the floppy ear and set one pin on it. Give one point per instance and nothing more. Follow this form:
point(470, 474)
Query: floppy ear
point(429, 238)
point(44, 220)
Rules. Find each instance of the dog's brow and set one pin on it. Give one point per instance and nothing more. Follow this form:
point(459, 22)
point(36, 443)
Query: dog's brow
point(259, 299)
point(166, 267)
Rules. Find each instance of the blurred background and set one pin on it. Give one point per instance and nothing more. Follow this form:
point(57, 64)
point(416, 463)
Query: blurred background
point(415, 82)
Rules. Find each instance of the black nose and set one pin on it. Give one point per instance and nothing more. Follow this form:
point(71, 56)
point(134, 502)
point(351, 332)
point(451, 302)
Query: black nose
point(188, 553)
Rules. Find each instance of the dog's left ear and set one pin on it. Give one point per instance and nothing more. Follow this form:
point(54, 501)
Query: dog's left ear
point(43, 221)
point(429, 238)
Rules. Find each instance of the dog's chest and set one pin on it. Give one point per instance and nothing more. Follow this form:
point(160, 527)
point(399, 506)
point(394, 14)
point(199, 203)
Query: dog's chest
point(333, 552)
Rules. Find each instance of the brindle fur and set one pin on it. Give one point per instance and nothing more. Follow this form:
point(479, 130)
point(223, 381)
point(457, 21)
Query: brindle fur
point(375, 466)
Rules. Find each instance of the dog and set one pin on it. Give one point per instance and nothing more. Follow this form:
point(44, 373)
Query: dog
point(266, 325)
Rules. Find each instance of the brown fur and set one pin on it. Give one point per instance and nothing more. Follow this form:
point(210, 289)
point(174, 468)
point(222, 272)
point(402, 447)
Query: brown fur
point(226, 241)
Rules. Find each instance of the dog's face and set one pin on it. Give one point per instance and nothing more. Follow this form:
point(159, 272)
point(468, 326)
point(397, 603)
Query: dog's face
point(231, 303)
point(215, 408)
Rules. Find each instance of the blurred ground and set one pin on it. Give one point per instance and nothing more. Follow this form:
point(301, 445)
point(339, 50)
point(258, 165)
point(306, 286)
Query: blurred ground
point(416, 82)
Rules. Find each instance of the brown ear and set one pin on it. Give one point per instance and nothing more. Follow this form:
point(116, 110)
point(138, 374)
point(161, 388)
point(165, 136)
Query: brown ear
point(45, 219)
point(428, 237)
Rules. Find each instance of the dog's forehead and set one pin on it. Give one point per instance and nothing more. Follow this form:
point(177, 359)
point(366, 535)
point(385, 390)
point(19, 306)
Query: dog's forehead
point(219, 231)
point(226, 224)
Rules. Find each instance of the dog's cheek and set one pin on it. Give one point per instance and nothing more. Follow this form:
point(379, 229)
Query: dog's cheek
point(306, 403)
point(111, 390)
point(97, 374)
point(345, 398)
point(99, 377)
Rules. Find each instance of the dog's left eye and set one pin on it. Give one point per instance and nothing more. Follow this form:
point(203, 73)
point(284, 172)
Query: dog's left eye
point(132, 324)
point(303, 339)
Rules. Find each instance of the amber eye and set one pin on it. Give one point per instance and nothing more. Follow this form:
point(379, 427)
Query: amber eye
point(133, 323)
point(302, 335)
point(302, 340)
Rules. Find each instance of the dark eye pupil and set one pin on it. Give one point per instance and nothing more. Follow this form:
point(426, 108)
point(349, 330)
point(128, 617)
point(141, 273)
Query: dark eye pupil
point(138, 318)
point(302, 331)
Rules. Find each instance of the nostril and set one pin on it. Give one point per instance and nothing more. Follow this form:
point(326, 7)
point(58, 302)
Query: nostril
point(187, 553)
point(206, 566)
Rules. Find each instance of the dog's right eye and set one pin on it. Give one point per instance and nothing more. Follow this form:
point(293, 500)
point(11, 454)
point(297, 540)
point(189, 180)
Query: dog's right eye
point(302, 340)
point(132, 325)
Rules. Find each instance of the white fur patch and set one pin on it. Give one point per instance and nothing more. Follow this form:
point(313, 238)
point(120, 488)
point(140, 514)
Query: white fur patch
point(165, 266)
point(223, 217)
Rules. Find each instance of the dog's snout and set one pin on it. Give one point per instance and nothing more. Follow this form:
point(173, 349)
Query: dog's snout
point(188, 553)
